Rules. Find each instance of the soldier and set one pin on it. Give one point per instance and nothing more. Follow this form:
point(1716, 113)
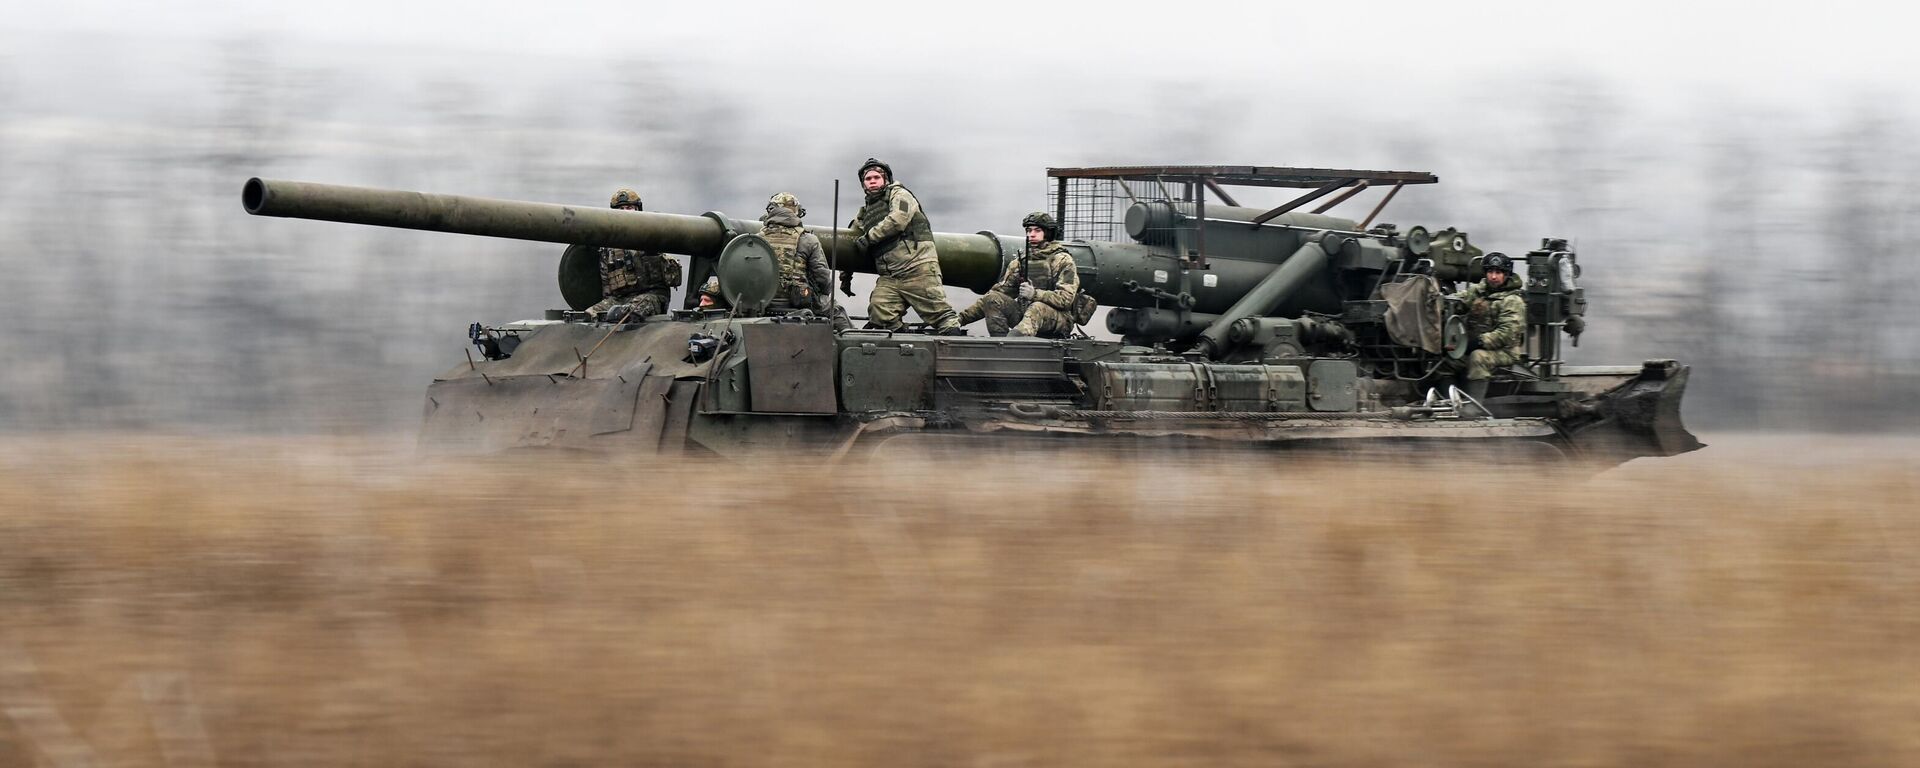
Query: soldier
point(710, 294)
point(1037, 292)
point(805, 280)
point(1496, 323)
point(894, 231)
point(635, 284)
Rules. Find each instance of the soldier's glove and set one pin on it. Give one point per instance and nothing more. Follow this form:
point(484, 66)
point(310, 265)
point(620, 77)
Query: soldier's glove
point(1026, 290)
point(846, 283)
point(616, 313)
point(860, 244)
point(1473, 343)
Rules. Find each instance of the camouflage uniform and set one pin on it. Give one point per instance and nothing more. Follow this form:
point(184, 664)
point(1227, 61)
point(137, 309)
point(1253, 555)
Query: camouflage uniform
point(805, 280)
point(891, 227)
point(1497, 319)
point(1049, 313)
point(642, 280)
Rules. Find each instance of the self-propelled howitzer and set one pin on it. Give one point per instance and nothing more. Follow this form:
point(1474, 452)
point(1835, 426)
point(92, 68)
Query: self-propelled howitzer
point(1238, 326)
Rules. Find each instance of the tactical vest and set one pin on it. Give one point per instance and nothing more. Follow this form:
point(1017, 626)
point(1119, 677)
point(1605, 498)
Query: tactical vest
point(625, 272)
point(786, 251)
point(875, 210)
point(1040, 266)
point(1484, 303)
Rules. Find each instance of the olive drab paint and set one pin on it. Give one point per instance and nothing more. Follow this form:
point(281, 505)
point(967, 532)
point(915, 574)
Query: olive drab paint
point(1284, 341)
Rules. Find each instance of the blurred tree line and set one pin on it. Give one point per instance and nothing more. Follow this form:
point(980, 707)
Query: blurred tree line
point(1762, 247)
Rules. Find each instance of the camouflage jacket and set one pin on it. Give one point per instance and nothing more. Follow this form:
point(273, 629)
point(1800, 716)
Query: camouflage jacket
point(898, 235)
point(626, 272)
point(1052, 272)
point(1496, 316)
point(802, 260)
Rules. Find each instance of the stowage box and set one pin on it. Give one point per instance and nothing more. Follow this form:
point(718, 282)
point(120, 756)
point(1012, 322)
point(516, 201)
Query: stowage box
point(1198, 387)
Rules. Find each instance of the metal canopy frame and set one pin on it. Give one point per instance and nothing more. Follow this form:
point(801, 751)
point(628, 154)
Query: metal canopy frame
point(1199, 179)
point(1243, 175)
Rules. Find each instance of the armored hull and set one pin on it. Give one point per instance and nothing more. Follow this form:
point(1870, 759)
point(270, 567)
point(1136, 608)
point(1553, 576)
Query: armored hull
point(1237, 328)
point(792, 384)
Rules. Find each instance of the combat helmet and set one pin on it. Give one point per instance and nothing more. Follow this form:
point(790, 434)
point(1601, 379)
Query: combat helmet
point(872, 162)
point(1044, 221)
point(624, 196)
point(1497, 260)
point(788, 201)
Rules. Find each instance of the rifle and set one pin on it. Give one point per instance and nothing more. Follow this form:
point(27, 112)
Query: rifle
point(1020, 278)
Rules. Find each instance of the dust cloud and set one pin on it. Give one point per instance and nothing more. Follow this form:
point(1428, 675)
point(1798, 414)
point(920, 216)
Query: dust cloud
point(260, 602)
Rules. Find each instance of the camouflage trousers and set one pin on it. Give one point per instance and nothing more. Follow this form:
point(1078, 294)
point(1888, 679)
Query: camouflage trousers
point(822, 305)
point(919, 288)
point(642, 304)
point(1002, 313)
point(1483, 362)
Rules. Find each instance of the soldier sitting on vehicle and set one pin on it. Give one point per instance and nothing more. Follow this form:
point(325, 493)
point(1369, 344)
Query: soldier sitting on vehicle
point(634, 284)
point(1038, 292)
point(805, 280)
point(1496, 323)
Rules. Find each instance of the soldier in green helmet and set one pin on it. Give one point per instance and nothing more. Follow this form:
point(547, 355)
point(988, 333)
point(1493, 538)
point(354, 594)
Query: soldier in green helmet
point(805, 280)
point(1496, 323)
point(710, 297)
point(633, 284)
point(892, 229)
point(1037, 294)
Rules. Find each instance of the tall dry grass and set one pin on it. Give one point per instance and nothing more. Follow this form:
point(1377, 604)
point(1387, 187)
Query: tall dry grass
point(250, 602)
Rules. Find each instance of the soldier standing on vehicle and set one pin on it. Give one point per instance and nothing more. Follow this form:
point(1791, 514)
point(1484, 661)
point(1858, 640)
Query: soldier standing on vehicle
point(634, 284)
point(805, 280)
point(1496, 323)
point(892, 229)
point(1037, 293)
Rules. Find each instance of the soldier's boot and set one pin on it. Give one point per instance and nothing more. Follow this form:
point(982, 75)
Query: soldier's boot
point(1029, 326)
point(996, 325)
point(1477, 389)
point(954, 331)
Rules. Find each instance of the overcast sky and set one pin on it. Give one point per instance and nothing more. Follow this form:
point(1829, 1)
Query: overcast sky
point(1750, 51)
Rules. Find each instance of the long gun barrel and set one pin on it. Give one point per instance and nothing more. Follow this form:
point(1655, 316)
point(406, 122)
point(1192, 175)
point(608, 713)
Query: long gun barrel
point(1140, 275)
point(970, 261)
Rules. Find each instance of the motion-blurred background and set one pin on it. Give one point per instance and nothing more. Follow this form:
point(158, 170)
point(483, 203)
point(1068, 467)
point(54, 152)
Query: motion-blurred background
point(1739, 179)
point(284, 585)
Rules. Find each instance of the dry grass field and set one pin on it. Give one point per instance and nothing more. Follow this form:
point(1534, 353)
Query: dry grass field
point(252, 602)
